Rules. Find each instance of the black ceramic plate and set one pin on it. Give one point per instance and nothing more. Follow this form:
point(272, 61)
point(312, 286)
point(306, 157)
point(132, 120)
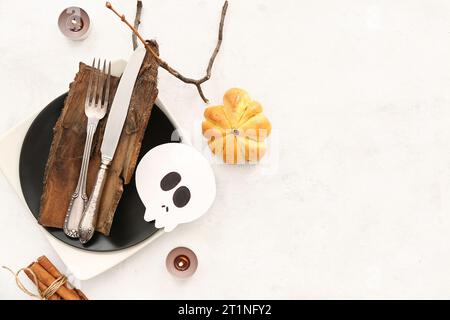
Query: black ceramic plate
point(129, 227)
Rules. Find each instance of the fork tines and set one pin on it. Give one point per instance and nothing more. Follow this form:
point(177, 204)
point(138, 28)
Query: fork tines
point(99, 79)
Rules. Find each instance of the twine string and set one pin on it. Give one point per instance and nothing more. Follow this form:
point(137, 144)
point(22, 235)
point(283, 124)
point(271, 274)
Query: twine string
point(42, 295)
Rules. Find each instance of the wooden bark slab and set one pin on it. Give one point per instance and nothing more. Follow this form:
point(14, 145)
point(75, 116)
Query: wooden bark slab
point(64, 160)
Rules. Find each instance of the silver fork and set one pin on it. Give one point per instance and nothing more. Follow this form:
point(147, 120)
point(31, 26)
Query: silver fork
point(95, 110)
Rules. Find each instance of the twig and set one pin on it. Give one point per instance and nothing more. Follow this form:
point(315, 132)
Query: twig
point(137, 22)
point(165, 65)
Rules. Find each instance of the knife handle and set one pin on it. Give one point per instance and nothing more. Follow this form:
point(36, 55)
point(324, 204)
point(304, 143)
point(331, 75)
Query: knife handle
point(88, 222)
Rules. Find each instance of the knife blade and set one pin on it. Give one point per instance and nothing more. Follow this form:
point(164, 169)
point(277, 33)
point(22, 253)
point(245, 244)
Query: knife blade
point(116, 119)
point(121, 102)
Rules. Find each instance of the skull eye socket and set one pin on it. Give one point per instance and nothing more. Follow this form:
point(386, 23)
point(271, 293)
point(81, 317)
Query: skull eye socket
point(170, 181)
point(181, 196)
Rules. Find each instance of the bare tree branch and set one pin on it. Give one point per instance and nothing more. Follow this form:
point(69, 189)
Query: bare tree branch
point(137, 22)
point(165, 65)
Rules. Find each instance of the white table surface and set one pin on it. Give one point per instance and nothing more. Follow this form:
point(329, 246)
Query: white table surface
point(358, 92)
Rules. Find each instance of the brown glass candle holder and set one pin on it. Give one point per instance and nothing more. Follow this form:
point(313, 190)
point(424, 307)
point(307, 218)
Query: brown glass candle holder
point(181, 262)
point(74, 23)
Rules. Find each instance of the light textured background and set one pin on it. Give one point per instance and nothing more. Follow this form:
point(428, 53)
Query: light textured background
point(359, 95)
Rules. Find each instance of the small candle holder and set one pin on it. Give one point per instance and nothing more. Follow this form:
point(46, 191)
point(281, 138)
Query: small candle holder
point(74, 23)
point(181, 262)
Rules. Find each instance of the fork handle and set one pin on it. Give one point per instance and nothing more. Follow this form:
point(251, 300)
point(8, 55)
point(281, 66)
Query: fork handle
point(88, 221)
point(79, 198)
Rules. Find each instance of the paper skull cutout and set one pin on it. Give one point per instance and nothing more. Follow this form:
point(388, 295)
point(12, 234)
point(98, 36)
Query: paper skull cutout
point(176, 184)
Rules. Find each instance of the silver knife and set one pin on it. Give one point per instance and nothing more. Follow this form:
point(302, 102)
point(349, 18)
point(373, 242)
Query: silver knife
point(116, 120)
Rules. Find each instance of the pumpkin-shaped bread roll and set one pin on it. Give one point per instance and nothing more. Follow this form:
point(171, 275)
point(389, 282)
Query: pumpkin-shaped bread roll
point(237, 129)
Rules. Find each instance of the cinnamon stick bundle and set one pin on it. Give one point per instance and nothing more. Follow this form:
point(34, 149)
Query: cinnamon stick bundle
point(46, 274)
point(64, 160)
point(41, 286)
